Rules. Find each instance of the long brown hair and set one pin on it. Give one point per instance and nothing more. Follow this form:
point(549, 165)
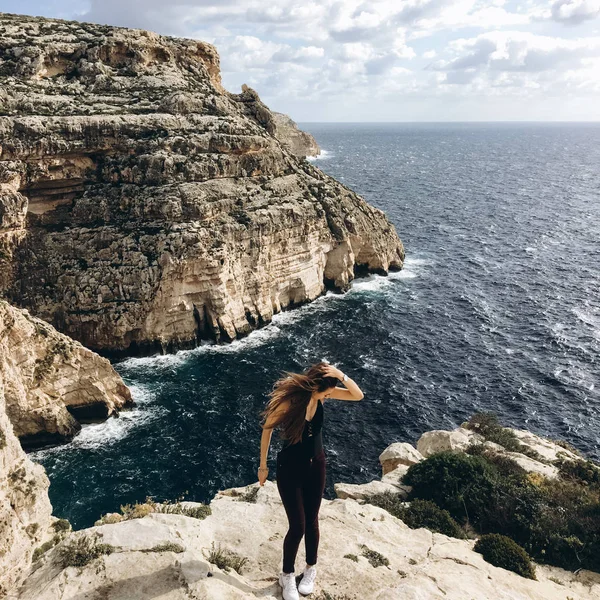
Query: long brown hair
point(298, 389)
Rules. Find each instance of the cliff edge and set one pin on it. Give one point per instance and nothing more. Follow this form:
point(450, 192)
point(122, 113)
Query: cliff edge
point(231, 549)
point(143, 207)
point(52, 382)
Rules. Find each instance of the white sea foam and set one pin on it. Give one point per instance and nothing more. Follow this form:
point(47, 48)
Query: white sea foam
point(325, 155)
point(413, 267)
point(373, 282)
point(99, 435)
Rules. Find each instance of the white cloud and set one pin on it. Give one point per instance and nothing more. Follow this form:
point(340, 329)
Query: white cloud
point(575, 11)
point(333, 57)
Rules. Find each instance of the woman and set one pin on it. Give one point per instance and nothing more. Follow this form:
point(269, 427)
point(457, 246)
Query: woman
point(296, 404)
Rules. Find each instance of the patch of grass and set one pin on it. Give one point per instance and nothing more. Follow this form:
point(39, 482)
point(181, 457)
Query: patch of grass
point(82, 550)
point(166, 547)
point(41, 550)
point(424, 513)
point(351, 557)
point(375, 558)
point(139, 510)
point(249, 496)
point(61, 525)
point(226, 559)
point(196, 512)
point(419, 513)
point(324, 595)
point(584, 472)
point(32, 529)
point(487, 424)
point(564, 444)
point(503, 552)
point(2, 440)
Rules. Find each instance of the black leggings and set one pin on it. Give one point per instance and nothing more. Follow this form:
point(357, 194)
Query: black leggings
point(301, 484)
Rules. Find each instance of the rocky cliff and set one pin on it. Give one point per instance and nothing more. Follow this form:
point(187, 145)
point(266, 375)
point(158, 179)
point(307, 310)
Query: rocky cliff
point(144, 207)
point(25, 510)
point(232, 549)
point(294, 139)
point(52, 382)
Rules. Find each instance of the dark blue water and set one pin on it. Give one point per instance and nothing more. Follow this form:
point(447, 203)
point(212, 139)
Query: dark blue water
point(498, 308)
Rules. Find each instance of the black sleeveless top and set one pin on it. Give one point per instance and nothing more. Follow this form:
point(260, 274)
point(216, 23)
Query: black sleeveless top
point(312, 439)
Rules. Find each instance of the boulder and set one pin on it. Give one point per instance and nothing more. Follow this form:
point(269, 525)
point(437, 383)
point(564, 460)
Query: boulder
point(439, 440)
point(399, 453)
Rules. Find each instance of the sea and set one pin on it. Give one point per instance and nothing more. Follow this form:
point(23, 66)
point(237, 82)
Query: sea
point(497, 309)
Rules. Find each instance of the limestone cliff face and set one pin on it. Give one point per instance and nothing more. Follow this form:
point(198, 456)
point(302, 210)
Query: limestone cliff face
point(142, 206)
point(51, 381)
point(294, 139)
point(25, 511)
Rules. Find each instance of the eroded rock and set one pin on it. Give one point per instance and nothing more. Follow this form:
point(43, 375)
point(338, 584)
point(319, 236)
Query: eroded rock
point(52, 382)
point(143, 207)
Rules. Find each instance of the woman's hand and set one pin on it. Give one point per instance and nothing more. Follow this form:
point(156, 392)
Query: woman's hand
point(262, 475)
point(331, 371)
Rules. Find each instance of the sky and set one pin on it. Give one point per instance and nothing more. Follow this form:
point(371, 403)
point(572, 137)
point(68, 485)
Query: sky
point(384, 60)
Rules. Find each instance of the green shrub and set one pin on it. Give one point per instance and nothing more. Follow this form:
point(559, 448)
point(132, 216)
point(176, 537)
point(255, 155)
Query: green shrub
point(41, 550)
point(424, 513)
point(419, 513)
point(61, 525)
point(82, 550)
point(226, 559)
point(486, 424)
point(390, 501)
point(375, 558)
point(584, 472)
point(504, 464)
point(457, 482)
point(351, 557)
point(503, 552)
point(166, 547)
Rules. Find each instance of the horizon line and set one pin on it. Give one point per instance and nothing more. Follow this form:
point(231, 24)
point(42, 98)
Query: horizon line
point(446, 122)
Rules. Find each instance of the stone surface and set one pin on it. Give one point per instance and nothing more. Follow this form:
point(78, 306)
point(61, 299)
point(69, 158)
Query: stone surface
point(298, 142)
point(25, 511)
point(396, 475)
point(422, 565)
point(439, 440)
point(547, 449)
point(399, 453)
point(143, 207)
point(51, 381)
point(361, 491)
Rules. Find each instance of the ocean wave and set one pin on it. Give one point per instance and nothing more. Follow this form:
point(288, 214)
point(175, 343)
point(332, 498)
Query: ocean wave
point(325, 155)
point(95, 436)
point(373, 282)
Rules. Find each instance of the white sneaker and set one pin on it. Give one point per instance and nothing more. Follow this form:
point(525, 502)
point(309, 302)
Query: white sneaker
point(308, 580)
point(287, 581)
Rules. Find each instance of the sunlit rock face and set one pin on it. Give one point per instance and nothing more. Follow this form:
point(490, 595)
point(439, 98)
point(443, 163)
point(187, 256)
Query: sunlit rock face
point(144, 207)
point(52, 382)
point(25, 510)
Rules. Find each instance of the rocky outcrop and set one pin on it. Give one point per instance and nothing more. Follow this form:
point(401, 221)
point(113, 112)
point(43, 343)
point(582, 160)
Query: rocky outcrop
point(166, 555)
point(25, 510)
point(144, 207)
point(298, 142)
point(153, 550)
point(439, 440)
point(52, 382)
